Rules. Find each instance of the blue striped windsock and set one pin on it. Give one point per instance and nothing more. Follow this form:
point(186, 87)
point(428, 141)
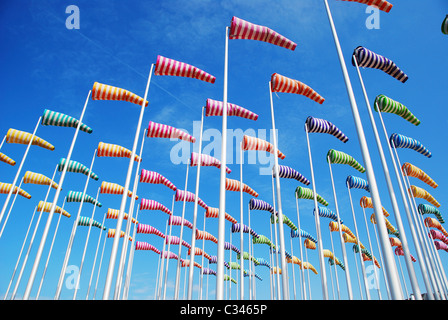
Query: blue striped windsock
point(53, 118)
point(357, 183)
point(75, 166)
point(325, 126)
point(327, 213)
point(401, 141)
point(290, 173)
point(303, 234)
point(256, 204)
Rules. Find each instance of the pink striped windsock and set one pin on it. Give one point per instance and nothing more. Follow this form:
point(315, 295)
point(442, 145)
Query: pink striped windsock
point(241, 29)
point(176, 240)
point(399, 252)
point(204, 235)
point(159, 130)
point(189, 197)
point(147, 229)
point(441, 246)
point(147, 176)
point(234, 185)
point(147, 204)
point(252, 143)
point(215, 108)
point(142, 245)
point(170, 67)
point(436, 234)
point(206, 160)
point(214, 213)
point(177, 220)
point(169, 255)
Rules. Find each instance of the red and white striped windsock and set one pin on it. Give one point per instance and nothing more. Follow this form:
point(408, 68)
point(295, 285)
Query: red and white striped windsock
point(147, 229)
point(159, 130)
point(106, 92)
point(186, 263)
point(383, 5)
point(241, 29)
point(204, 235)
point(176, 240)
point(214, 213)
point(284, 84)
point(147, 176)
point(142, 245)
point(215, 108)
point(235, 185)
point(170, 67)
point(147, 204)
point(252, 143)
point(189, 197)
point(206, 160)
point(169, 255)
point(177, 220)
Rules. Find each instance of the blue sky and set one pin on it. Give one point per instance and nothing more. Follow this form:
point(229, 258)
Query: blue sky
point(46, 65)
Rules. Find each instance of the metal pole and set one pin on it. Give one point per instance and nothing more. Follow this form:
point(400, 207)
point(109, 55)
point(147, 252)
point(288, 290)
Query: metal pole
point(301, 251)
point(392, 272)
point(241, 226)
point(113, 254)
point(53, 207)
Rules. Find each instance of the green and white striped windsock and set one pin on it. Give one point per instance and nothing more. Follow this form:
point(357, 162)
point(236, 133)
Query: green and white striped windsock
point(385, 104)
point(246, 256)
point(286, 221)
point(53, 118)
point(262, 240)
point(76, 196)
point(85, 221)
point(75, 166)
point(234, 265)
point(343, 158)
point(307, 193)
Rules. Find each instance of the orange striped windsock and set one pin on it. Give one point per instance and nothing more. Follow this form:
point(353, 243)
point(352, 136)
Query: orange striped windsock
point(334, 227)
point(309, 244)
point(170, 67)
point(252, 143)
point(417, 192)
point(204, 235)
point(111, 234)
point(274, 270)
point(106, 92)
point(350, 239)
point(114, 188)
point(37, 178)
point(22, 137)
point(284, 84)
point(214, 213)
point(434, 223)
point(366, 202)
point(234, 185)
point(113, 214)
point(307, 265)
point(46, 207)
point(389, 225)
point(6, 188)
point(114, 150)
point(6, 159)
point(159, 130)
point(395, 242)
point(199, 252)
point(413, 171)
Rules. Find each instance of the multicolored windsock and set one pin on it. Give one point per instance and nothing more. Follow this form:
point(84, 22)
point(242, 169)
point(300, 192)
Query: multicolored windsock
point(252, 143)
point(113, 214)
point(147, 229)
point(114, 188)
point(327, 213)
point(75, 166)
point(236, 227)
point(158, 130)
point(153, 177)
point(235, 185)
point(335, 227)
point(37, 178)
point(369, 59)
point(286, 221)
point(385, 104)
point(199, 252)
point(307, 193)
point(401, 141)
point(22, 137)
point(290, 173)
point(433, 223)
point(106, 92)
point(303, 234)
point(263, 240)
point(215, 108)
point(147, 204)
point(343, 158)
point(177, 221)
point(383, 5)
point(111, 234)
point(367, 202)
point(6, 159)
point(357, 183)
point(114, 150)
point(142, 245)
point(417, 192)
point(189, 197)
point(436, 234)
point(366, 255)
point(255, 204)
point(170, 67)
point(204, 235)
point(284, 84)
point(399, 252)
point(324, 126)
point(5, 188)
point(428, 209)
point(206, 160)
point(176, 240)
point(77, 196)
point(46, 207)
point(413, 171)
point(214, 213)
point(58, 119)
point(241, 29)
point(86, 221)
point(445, 25)
point(389, 225)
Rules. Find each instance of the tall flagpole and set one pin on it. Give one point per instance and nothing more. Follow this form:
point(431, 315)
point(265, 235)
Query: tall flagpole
point(5, 205)
point(53, 207)
point(317, 223)
point(285, 289)
point(113, 254)
point(404, 241)
point(222, 183)
point(303, 286)
point(392, 272)
point(195, 213)
point(241, 226)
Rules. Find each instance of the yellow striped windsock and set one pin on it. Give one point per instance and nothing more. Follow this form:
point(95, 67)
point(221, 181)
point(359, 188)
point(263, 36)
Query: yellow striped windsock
point(46, 207)
point(8, 160)
point(22, 137)
point(114, 150)
point(6, 188)
point(114, 188)
point(37, 178)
